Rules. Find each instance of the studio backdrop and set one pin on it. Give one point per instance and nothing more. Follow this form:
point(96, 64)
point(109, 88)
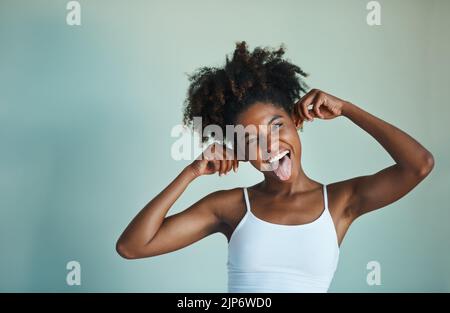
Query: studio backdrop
point(90, 92)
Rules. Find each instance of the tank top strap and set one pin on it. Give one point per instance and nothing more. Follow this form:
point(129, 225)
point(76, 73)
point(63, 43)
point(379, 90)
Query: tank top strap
point(247, 202)
point(325, 197)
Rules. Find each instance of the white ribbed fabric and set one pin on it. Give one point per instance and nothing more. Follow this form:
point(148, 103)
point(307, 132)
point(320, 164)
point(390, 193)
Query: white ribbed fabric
point(268, 257)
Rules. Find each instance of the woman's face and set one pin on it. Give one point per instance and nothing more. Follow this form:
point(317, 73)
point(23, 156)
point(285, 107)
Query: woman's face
point(272, 135)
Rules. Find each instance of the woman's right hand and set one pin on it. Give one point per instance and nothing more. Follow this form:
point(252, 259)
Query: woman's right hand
point(215, 158)
point(152, 232)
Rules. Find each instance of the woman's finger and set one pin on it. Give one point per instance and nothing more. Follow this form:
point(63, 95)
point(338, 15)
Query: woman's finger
point(229, 165)
point(235, 165)
point(223, 167)
point(229, 159)
point(297, 115)
point(318, 101)
point(305, 102)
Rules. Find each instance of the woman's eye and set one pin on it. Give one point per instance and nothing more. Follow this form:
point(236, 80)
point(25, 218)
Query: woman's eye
point(277, 125)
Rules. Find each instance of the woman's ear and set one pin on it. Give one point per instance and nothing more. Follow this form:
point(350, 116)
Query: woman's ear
point(298, 121)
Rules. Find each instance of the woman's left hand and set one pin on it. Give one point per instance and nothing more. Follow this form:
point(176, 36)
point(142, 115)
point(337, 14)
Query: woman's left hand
point(324, 106)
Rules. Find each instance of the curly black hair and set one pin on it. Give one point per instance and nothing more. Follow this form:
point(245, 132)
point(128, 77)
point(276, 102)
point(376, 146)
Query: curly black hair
point(218, 95)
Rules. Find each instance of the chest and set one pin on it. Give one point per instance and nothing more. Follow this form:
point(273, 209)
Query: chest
point(287, 211)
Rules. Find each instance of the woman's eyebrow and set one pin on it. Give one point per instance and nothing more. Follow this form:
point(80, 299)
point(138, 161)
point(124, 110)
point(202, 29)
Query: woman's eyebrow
point(273, 119)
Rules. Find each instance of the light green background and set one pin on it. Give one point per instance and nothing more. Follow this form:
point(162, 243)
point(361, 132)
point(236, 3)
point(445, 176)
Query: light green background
point(86, 114)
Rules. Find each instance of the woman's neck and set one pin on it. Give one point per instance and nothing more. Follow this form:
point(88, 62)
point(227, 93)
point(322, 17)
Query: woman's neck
point(297, 184)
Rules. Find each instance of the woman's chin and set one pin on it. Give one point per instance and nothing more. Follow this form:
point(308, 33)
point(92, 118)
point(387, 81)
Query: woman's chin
point(282, 179)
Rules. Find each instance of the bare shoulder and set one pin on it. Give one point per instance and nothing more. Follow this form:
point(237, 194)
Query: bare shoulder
point(229, 206)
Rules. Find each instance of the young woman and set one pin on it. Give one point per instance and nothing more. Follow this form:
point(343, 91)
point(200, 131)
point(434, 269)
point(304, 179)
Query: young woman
point(284, 232)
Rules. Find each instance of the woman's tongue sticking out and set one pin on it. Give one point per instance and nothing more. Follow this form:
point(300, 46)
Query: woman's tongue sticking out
point(283, 170)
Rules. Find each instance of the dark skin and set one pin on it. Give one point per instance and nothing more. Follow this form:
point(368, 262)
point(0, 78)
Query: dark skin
point(297, 200)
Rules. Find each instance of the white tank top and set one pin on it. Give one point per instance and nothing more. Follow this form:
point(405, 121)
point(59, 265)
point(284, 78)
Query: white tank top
point(268, 257)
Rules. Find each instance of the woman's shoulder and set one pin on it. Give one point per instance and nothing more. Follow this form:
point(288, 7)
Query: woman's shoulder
point(226, 197)
point(227, 203)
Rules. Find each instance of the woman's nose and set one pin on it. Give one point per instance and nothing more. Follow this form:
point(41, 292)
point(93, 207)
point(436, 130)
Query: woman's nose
point(271, 145)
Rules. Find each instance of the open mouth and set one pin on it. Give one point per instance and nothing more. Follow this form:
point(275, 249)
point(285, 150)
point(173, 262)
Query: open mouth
point(281, 164)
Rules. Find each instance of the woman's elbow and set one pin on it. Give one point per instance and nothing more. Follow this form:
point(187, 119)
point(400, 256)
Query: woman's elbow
point(125, 251)
point(428, 166)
